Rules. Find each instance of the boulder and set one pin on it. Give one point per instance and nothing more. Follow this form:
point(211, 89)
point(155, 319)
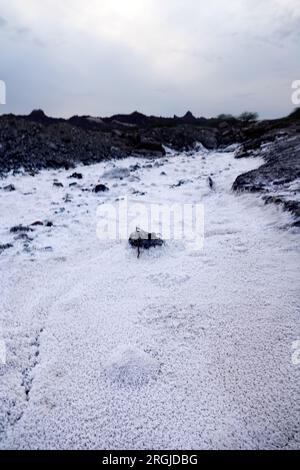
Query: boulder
point(211, 183)
point(37, 223)
point(4, 247)
point(180, 183)
point(9, 188)
point(77, 176)
point(135, 167)
point(100, 188)
point(148, 146)
point(20, 229)
point(23, 237)
point(68, 198)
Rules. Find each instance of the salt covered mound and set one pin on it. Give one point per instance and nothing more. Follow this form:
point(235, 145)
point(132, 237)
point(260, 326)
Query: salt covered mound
point(131, 366)
point(117, 173)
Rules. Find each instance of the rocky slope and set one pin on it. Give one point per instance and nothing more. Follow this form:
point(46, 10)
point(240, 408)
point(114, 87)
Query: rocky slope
point(278, 179)
point(37, 141)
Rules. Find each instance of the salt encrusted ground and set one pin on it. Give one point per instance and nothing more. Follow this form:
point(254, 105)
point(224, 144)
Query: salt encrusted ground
point(179, 349)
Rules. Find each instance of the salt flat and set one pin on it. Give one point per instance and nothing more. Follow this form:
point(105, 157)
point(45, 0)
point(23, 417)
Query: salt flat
point(180, 349)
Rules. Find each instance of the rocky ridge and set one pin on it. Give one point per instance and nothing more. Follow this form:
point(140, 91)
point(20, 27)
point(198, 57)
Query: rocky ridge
point(34, 142)
point(278, 179)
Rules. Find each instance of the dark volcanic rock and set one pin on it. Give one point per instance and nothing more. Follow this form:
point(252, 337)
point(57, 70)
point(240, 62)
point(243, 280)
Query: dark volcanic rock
point(282, 166)
point(185, 137)
point(37, 223)
point(38, 115)
point(180, 183)
point(37, 141)
point(289, 205)
point(67, 198)
point(149, 147)
point(77, 176)
point(134, 168)
point(9, 188)
point(276, 177)
point(4, 247)
point(134, 119)
point(20, 229)
point(100, 188)
point(211, 183)
point(24, 237)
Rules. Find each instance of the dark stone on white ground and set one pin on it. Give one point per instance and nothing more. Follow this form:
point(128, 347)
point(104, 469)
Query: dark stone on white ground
point(6, 246)
point(211, 182)
point(135, 167)
point(24, 237)
point(77, 176)
point(60, 210)
point(37, 223)
point(100, 188)
point(67, 198)
point(21, 229)
point(180, 183)
point(9, 188)
point(138, 193)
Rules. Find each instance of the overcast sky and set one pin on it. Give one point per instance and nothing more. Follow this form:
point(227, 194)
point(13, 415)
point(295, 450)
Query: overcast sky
point(160, 57)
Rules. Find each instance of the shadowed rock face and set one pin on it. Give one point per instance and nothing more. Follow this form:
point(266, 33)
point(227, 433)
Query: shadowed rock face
point(279, 178)
point(37, 141)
